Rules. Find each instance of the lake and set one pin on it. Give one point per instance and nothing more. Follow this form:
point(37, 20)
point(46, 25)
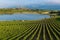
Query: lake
point(23, 17)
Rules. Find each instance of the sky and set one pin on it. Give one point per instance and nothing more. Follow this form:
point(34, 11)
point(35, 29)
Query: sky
point(7, 3)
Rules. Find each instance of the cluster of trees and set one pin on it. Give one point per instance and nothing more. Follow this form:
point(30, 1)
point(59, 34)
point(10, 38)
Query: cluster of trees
point(58, 12)
point(55, 12)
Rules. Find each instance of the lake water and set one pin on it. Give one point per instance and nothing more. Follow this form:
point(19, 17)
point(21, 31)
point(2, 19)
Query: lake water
point(23, 17)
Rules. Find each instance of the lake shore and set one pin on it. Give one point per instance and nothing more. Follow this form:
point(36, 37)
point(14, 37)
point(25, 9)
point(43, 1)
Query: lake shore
point(22, 10)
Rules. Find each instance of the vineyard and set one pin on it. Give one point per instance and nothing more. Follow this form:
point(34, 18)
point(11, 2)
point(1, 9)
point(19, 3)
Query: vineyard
point(48, 29)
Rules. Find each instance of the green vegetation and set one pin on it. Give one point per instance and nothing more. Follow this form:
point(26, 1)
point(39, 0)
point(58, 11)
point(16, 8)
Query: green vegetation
point(26, 10)
point(48, 29)
point(20, 10)
point(58, 18)
point(16, 10)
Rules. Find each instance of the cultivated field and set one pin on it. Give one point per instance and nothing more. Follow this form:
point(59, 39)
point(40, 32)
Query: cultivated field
point(48, 29)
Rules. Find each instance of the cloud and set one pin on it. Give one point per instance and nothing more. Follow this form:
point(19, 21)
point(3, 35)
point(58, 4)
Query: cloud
point(26, 2)
point(53, 1)
point(5, 3)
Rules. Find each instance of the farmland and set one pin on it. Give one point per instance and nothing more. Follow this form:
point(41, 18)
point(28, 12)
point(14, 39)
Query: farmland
point(47, 29)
